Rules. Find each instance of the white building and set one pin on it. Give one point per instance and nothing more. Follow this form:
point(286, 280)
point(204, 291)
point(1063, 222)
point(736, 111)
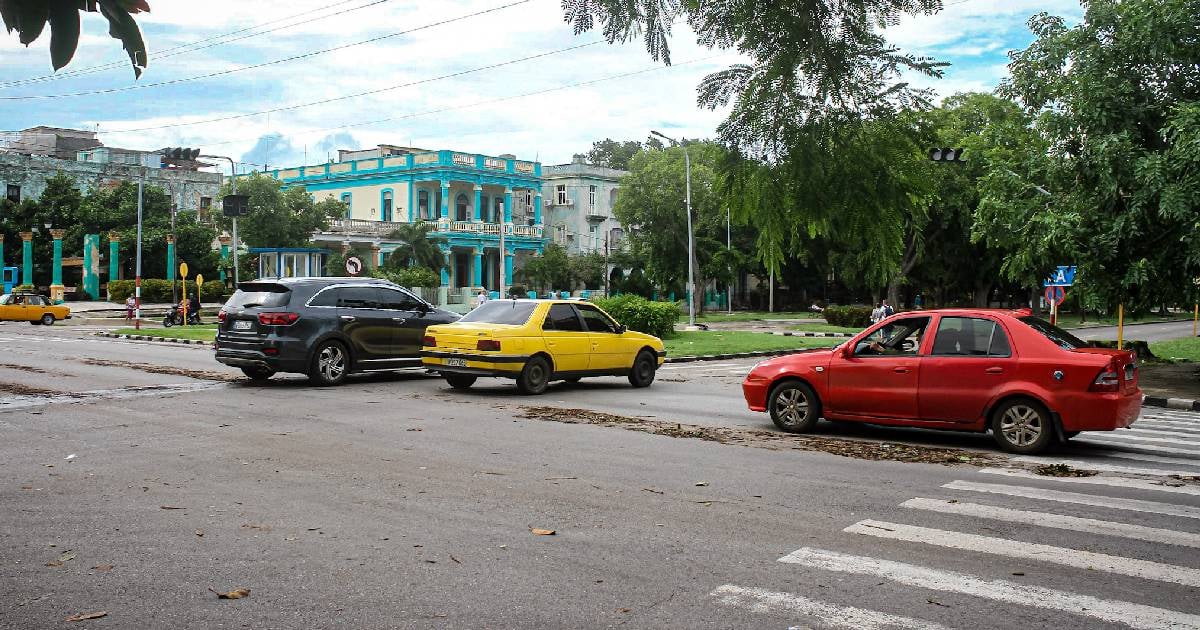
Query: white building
point(579, 200)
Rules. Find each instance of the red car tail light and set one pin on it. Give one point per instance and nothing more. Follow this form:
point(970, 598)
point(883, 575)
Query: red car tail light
point(278, 319)
point(221, 315)
point(1108, 380)
point(429, 341)
point(488, 344)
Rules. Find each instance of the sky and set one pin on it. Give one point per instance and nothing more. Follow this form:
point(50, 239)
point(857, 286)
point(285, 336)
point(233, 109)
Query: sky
point(481, 76)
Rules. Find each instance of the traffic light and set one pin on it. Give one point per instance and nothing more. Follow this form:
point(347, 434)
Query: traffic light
point(183, 154)
point(946, 154)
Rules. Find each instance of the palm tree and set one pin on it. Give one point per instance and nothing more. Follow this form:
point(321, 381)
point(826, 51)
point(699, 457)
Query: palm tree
point(417, 248)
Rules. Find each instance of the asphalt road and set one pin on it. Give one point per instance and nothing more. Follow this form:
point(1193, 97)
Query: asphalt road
point(138, 476)
point(1142, 332)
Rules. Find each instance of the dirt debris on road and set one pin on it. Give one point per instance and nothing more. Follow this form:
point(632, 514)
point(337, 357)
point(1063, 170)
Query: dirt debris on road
point(18, 389)
point(164, 369)
point(859, 449)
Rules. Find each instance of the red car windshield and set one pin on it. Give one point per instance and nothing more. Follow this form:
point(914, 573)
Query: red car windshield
point(1060, 337)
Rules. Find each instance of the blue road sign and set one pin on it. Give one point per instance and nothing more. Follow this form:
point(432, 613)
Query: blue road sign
point(1063, 276)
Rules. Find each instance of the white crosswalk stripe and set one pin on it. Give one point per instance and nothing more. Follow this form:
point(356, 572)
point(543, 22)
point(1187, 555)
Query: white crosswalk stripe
point(1078, 498)
point(761, 600)
point(1176, 487)
point(1101, 466)
point(1028, 551)
point(1133, 615)
point(1158, 429)
point(1158, 459)
point(1056, 521)
point(1094, 439)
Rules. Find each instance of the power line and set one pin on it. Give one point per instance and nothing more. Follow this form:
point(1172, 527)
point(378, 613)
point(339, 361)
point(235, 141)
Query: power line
point(623, 75)
point(198, 44)
point(350, 96)
point(267, 63)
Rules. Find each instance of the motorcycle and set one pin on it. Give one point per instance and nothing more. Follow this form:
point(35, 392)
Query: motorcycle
point(175, 317)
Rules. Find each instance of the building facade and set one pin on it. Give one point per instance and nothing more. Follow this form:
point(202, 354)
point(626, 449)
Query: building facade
point(470, 200)
point(579, 200)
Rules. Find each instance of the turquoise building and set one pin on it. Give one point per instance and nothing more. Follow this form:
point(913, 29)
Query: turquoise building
point(469, 199)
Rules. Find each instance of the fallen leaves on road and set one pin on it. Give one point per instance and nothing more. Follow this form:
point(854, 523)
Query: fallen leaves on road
point(19, 389)
point(24, 368)
point(171, 507)
point(1063, 470)
point(537, 531)
point(200, 533)
point(236, 593)
point(86, 616)
point(757, 438)
point(102, 568)
point(165, 369)
point(62, 559)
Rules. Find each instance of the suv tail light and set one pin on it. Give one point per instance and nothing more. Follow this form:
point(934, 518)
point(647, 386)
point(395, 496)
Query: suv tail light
point(1107, 380)
point(488, 344)
point(429, 341)
point(221, 315)
point(278, 319)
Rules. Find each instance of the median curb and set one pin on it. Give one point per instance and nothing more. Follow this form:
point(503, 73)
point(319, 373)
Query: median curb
point(189, 342)
point(809, 334)
point(1185, 404)
point(735, 355)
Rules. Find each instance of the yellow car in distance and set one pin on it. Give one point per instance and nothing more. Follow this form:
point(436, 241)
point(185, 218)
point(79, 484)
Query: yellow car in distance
point(32, 308)
point(538, 341)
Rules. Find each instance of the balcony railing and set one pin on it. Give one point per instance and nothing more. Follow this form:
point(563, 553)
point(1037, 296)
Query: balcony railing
point(379, 228)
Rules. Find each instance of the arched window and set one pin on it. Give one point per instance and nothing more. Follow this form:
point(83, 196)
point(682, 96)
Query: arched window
point(460, 207)
point(612, 198)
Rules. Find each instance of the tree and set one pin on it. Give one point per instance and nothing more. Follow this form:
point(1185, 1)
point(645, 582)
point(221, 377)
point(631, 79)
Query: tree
point(613, 154)
point(30, 17)
point(417, 248)
point(1114, 189)
point(277, 217)
point(588, 270)
point(550, 270)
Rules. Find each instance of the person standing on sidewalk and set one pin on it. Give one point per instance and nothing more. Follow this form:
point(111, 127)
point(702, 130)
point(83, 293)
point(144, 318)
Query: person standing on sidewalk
point(130, 304)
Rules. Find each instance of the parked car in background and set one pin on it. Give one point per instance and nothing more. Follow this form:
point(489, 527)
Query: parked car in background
point(1028, 382)
point(32, 308)
point(538, 341)
point(323, 327)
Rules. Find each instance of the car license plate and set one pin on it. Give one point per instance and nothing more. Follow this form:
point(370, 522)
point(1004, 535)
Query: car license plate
point(456, 362)
point(242, 324)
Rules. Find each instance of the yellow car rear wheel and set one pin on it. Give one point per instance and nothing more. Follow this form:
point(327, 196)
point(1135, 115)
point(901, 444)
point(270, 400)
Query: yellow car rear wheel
point(534, 376)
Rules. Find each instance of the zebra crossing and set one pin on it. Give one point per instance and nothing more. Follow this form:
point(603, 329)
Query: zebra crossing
point(1106, 549)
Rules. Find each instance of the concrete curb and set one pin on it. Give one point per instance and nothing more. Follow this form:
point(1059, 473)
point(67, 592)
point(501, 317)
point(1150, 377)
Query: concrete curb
point(809, 334)
point(1184, 404)
point(736, 355)
point(191, 342)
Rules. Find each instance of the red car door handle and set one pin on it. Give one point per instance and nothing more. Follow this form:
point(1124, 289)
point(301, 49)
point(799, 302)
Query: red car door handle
point(900, 370)
point(994, 370)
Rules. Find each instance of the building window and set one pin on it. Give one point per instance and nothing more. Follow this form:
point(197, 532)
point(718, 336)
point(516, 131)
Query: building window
point(346, 200)
point(592, 196)
point(528, 198)
point(386, 213)
point(205, 203)
point(560, 193)
point(14, 193)
point(423, 204)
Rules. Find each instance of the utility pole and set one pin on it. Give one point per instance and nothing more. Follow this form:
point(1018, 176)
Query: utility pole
point(137, 276)
point(691, 284)
point(771, 290)
point(729, 250)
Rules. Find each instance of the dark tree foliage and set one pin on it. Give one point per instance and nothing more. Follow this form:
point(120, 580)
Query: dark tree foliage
point(30, 17)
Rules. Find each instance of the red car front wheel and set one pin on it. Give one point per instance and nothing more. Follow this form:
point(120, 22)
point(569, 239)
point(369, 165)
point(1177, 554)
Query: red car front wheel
point(794, 407)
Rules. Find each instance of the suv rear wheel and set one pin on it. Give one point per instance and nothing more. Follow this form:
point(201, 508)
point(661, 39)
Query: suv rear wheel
point(330, 364)
point(258, 373)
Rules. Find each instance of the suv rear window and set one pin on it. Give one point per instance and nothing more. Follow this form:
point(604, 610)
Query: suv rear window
point(260, 294)
point(1060, 337)
point(508, 312)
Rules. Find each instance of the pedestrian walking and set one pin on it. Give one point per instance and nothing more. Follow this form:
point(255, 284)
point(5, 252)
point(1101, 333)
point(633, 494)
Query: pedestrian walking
point(480, 298)
point(918, 301)
point(130, 305)
point(885, 310)
point(876, 314)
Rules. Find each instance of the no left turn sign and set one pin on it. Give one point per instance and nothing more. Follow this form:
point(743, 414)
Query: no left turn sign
point(354, 265)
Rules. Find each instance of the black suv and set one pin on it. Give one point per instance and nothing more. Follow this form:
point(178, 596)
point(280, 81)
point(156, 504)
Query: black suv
point(323, 327)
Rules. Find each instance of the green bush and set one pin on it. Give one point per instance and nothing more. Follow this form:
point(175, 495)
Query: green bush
point(642, 315)
point(155, 290)
point(409, 277)
point(848, 316)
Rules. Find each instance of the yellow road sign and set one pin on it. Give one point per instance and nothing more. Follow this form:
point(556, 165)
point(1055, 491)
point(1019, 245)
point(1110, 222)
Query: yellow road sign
point(183, 270)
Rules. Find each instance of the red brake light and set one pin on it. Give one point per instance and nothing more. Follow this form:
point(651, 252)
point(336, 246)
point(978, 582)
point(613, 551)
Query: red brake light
point(429, 341)
point(221, 315)
point(1108, 380)
point(488, 344)
point(278, 319)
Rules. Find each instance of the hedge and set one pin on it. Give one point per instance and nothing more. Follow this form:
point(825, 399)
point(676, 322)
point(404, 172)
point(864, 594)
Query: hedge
point(642, 315)
point(159, 291)
point(848, 316)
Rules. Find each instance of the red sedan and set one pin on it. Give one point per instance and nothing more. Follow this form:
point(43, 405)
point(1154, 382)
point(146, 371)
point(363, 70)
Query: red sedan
point(1027, 381)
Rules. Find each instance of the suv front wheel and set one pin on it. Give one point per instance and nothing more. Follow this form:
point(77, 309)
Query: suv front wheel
point(330, 363)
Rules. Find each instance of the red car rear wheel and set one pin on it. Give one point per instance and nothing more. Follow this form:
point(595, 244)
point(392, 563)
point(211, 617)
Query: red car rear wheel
point(1022, 426)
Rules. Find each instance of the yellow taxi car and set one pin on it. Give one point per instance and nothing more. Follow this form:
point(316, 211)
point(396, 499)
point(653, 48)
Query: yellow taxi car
point(32, 308)
point(538, 341)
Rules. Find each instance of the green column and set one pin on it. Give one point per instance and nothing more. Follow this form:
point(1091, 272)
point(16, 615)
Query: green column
point(224, 253)
point(56, 285)
point(171, 258)
point(27, 258)
point(1, 251)
point(91, 266)
point(114, 254)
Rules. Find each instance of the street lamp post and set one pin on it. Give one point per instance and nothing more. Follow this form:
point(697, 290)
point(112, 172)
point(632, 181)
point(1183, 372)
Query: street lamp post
point(137, 276)
point(691, 284)
point(729, 252)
